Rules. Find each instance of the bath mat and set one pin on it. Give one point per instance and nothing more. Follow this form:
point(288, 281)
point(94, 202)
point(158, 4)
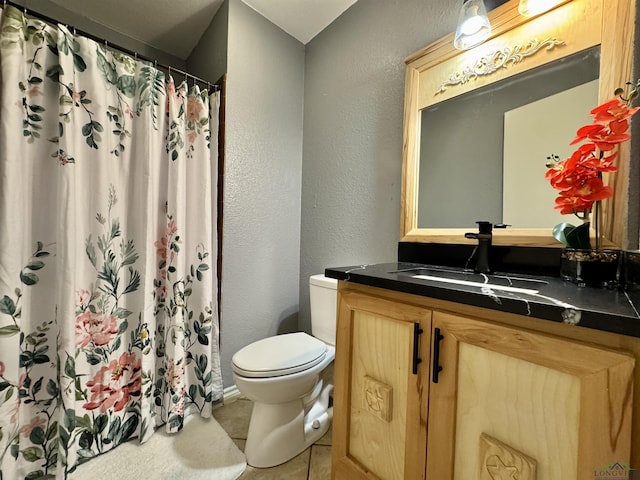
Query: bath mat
point(201, 451)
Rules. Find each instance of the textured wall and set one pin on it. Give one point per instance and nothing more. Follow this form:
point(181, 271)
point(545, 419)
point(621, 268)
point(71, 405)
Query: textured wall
point(262, 178)
point(352, 161)
point(208, 60)
point(81, 22)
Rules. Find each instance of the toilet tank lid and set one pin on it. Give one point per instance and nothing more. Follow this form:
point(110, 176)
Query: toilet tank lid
point(282, 353)
point(323, 281)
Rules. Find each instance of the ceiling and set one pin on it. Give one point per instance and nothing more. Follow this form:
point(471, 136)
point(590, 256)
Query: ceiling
point(175, 27)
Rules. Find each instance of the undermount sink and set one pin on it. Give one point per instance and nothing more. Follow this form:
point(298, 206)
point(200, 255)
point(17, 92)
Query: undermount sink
point(507, 283)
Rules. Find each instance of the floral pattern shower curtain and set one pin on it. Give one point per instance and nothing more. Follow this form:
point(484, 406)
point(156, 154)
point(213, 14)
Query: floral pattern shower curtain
point(108, 317)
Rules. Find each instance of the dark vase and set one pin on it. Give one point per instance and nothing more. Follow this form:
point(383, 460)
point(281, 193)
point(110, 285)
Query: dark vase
point(590, 268)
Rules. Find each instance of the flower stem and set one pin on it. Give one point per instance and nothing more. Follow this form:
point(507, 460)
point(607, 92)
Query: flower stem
point(597, 224)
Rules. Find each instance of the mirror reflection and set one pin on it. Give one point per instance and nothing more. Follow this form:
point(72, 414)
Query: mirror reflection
point(479, 149)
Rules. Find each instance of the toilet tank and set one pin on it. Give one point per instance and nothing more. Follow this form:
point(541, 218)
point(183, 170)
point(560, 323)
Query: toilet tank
point(322, 294)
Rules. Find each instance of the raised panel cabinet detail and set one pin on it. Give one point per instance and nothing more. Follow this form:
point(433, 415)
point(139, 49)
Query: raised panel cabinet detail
point(379, 425)
point(563, 403)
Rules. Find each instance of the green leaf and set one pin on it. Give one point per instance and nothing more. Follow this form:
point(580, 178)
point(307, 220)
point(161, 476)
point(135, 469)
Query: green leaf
point(9, 330)
point(52, 388)
point(114, 430)
point(107, 68)
point(70, 419)
point(70, 367)
point(123, 325)
point(35, 265)
point(52, 430)
point(579, 237)
point(15, 450)
point(37, 386)
point(64, 437)
point(129, 428)
point(54, 73)
point(28, 278)
point(87, 128)
point(37, 436)
point(176, 421)
point(560, 231)
point(86, 440)
point(7, 306)
point(121, 313)
point(78, 62)
point(93, 359)
point(127, 85)
point(32, 454)
point(82, 422)
point(100, 423)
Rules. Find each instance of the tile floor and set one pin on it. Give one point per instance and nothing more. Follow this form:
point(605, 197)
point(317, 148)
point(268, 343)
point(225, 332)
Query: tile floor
point(312, 464)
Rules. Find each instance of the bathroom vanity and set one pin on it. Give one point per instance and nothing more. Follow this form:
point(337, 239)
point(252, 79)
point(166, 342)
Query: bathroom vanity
point(436, 374)
point(446, 374)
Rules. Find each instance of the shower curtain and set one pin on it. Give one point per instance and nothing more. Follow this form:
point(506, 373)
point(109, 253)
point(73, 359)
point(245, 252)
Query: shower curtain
point(108, 314)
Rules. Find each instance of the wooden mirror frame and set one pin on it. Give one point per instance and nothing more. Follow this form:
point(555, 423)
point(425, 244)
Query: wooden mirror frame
point(579, 24)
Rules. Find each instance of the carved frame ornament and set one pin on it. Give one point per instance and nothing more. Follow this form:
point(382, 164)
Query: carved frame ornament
point(499, 59)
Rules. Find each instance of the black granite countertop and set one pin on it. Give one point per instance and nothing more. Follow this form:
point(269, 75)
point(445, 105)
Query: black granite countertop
point(542, 297)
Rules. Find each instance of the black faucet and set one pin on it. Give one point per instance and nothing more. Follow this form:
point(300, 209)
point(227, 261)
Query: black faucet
point(483, 236)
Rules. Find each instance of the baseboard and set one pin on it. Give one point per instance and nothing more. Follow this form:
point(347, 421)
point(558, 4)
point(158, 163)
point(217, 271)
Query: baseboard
point(231, 394)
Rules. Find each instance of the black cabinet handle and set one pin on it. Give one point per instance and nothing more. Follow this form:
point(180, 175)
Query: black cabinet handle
point(416, 347)
point(437, 337)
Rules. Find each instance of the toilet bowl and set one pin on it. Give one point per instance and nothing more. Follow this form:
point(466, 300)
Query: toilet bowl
point(287, 378)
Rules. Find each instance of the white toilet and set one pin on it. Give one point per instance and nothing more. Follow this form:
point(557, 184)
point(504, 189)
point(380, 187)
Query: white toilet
point(287, 378)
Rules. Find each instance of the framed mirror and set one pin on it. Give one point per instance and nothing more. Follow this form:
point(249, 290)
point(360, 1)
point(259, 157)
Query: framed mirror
point(474, 145)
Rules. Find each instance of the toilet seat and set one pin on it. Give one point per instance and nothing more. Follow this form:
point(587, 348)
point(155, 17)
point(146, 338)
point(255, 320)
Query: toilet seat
point(279, 355)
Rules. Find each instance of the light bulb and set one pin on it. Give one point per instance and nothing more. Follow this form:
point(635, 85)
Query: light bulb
point(473, 25)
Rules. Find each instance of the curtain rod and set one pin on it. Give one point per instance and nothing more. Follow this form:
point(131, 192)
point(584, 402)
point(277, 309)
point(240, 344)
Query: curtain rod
point(214, 86)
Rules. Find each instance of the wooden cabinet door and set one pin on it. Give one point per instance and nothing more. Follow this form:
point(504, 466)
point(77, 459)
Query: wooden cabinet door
point(380, 407)
point(511, 403)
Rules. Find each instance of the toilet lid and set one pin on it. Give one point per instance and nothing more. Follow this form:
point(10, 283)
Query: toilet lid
point(279, 355)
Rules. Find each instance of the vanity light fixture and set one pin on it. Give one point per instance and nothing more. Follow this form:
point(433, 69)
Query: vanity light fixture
point(473, 25)
point(529, 8)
